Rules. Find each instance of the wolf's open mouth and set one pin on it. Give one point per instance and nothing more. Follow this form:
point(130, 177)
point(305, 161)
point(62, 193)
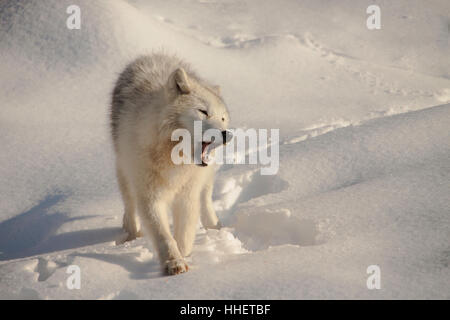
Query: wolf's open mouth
point(205, 153)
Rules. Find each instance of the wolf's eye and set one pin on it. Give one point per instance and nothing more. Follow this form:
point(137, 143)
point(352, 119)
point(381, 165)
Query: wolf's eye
point(203, 111)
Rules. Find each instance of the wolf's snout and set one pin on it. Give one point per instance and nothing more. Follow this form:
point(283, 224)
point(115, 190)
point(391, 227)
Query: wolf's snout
point(226, 136)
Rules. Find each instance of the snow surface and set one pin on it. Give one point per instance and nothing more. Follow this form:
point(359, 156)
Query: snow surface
point(364, 173)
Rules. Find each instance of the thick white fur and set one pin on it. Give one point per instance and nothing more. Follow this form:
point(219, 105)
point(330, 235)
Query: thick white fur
point(155, 95)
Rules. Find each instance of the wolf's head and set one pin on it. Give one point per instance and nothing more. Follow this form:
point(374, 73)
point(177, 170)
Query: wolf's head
point(193, 102)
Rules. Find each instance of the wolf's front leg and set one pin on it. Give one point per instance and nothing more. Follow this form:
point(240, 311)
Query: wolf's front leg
point(153, 214)
point(186, 213)
point(208, 214)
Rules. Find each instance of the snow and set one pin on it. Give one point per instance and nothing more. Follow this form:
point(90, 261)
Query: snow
point(364, 175)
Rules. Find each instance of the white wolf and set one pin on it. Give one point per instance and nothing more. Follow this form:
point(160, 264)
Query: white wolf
point(155, 95)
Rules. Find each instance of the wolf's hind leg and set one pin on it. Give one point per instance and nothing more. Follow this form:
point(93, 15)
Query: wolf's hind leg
point(129, 217)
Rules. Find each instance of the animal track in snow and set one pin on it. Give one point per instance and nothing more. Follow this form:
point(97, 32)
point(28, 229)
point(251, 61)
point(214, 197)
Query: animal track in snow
point(317, 130)
point(261, 228)
point(324, 127)
point(242, 188)
point(257, 226)
point(212, 245)
point(44, 268)
point(372, 80)
point(345, 62)
point(357, 68)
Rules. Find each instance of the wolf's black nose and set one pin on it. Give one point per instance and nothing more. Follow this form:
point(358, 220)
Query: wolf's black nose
point(226, 136)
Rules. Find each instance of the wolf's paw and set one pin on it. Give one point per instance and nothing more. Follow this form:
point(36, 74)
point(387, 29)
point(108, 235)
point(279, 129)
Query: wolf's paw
point(138, 234)
point(176, 266)
point(216, 226)
point(133, 235)
point(126, 236)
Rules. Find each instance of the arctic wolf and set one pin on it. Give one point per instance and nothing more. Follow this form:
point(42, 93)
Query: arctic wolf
point(155, 95)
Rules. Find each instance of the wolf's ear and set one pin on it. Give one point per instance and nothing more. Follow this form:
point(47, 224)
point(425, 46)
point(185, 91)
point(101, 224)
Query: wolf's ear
point(179, 80)
point(217, 90)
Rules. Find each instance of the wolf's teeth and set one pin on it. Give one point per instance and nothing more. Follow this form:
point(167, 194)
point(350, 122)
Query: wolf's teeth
point(207, 154)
